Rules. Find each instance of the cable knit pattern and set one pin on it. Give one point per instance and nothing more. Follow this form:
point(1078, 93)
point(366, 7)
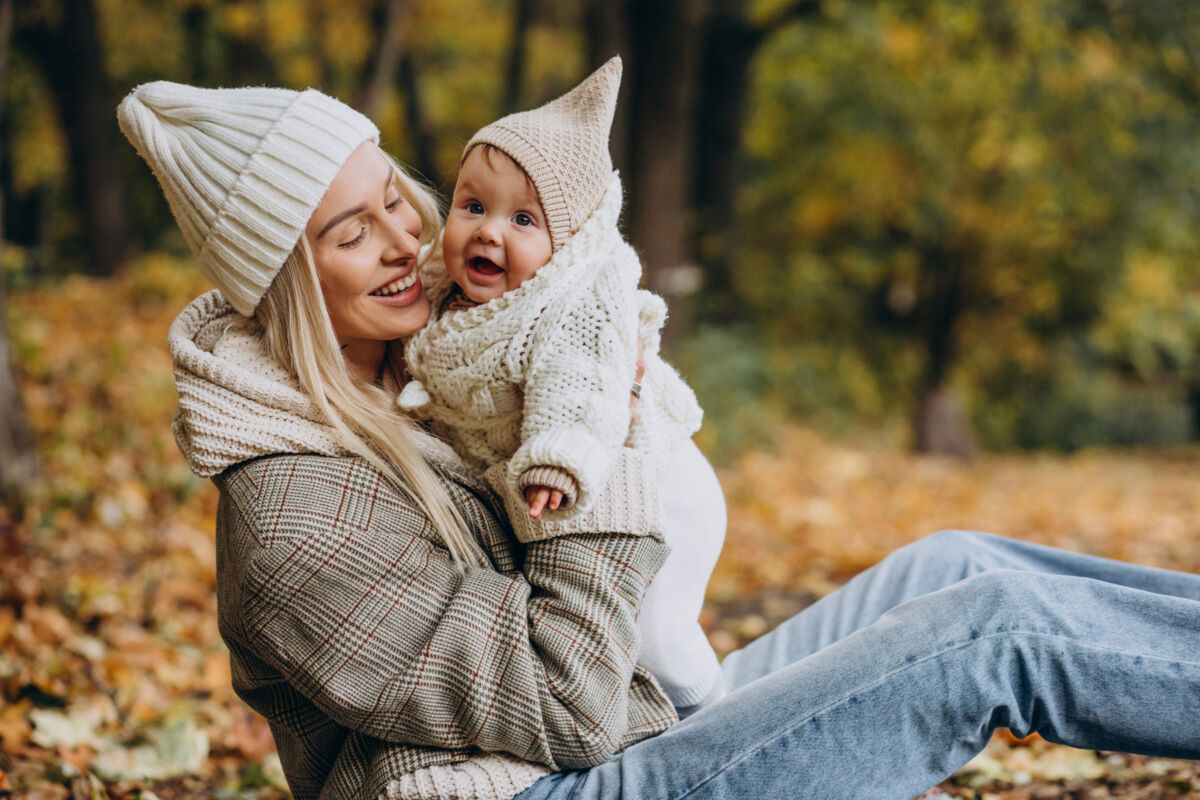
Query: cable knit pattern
point(541, 375)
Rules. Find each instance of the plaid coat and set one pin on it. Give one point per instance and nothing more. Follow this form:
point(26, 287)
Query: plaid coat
point(372, 656)
point(353, 633)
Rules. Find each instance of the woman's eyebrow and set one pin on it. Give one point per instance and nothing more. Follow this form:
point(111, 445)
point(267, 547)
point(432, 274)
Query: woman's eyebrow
point(358, 209)
point(339, 217)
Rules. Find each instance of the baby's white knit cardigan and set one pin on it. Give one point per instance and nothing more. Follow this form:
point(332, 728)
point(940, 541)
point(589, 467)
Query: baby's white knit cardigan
point(541, 375)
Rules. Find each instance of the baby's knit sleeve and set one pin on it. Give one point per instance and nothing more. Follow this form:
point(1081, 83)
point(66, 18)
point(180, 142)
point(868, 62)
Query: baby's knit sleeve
point(581, 363)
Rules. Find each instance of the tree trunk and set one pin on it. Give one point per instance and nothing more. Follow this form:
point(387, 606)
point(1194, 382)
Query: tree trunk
point(195, 19)
point(71, 56)
point(607, 36)
point(422, 134)
point(1192, 395)
point(730, 42)
point(514, 73)
point(386, 16)
point(18, 451)
point(940, 425)
point(663, 49)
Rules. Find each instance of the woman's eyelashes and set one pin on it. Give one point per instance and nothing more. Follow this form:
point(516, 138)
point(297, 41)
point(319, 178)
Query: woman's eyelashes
point(356, 241)
point(389, 206)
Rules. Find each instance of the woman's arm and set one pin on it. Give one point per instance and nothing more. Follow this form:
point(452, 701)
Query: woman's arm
point(339, 588)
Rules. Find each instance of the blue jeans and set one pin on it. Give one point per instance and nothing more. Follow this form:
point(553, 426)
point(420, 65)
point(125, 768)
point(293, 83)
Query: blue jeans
point(885, 687)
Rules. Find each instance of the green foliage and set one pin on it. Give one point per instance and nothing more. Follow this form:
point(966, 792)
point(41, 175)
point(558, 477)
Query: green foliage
point(1074, 403)
point(1028, 168)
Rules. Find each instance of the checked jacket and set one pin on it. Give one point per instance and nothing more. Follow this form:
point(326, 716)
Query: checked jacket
point(372, 656)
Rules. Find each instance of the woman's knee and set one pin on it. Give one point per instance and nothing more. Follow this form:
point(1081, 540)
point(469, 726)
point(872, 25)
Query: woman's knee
point(1012, 599)
point(953, 552)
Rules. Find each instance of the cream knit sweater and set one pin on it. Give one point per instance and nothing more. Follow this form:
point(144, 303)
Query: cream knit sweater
point(540, 376)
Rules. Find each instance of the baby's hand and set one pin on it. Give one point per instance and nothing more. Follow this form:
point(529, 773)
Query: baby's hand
point(540, 498)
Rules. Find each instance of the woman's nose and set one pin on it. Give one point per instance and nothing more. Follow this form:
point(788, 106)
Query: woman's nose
point(402, 241)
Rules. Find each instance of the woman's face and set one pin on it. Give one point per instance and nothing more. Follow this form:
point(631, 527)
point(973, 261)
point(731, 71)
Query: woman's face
point(364, 240)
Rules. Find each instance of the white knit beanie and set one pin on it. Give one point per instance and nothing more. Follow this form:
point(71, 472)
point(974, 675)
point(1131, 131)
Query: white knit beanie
point(563, 148)
point(242, 169)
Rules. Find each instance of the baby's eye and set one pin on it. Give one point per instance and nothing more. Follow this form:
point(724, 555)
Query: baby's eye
point(523, 219)
point(474, 207)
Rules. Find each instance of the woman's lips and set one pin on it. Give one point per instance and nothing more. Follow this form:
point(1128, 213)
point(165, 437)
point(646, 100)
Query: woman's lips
point(401, 292)
point(398, 285)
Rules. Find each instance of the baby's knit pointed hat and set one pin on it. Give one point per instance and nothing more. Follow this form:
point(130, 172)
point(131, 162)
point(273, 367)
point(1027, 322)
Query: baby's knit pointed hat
point(563, 148)
point(243, 169)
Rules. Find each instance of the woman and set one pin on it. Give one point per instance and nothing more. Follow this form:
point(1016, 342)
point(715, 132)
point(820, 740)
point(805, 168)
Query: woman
point(410, 633)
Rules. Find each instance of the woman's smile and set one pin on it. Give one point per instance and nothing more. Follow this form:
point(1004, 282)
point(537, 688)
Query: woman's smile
point(402, 291)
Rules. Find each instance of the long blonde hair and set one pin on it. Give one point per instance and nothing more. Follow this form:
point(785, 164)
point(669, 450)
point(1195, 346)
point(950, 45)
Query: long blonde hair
point(299, 335)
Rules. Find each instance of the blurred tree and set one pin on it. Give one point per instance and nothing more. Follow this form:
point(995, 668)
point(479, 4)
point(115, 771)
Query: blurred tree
point(18, 453)
point(930, 175)
point(663, 48)
point(63, 38)
point(679, 128)
point(386, 20)
point(422, 135)
point(730, 40)
point(518, 51)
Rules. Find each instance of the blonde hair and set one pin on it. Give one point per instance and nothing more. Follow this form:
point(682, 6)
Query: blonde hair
point(298, 333)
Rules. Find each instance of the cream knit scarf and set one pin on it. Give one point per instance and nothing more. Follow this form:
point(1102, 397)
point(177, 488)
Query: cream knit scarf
point(237, 403)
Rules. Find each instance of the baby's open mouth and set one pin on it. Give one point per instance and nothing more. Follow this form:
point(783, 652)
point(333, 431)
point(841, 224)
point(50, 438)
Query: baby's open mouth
point(485, 266)
point(398, 285)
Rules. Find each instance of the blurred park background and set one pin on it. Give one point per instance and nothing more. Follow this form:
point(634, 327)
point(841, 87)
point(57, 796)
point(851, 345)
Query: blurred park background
point(931, 263)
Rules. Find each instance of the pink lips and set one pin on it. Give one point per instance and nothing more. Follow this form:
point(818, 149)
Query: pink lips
point(485, 267)
point(402, 298)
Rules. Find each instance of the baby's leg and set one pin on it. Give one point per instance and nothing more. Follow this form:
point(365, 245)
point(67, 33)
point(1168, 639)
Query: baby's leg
point(674, 646)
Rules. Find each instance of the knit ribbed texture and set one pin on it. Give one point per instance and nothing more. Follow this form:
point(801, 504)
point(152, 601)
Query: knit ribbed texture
point(541, 375)
point(242, 170)
point(563, 148)
point(629, 502)
point(551, 478)
point(491, 777)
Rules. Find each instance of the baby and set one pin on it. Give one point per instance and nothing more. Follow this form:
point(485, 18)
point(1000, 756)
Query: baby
point(532, 356)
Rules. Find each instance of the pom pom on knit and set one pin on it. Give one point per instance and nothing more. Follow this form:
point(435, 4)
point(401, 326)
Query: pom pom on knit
point(242, 170)
point(413, 396)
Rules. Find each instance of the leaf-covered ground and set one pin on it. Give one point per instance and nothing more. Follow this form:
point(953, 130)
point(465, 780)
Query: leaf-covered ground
point(113, 679)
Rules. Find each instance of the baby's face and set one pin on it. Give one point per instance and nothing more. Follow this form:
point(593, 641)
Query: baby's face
point(496, 236)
